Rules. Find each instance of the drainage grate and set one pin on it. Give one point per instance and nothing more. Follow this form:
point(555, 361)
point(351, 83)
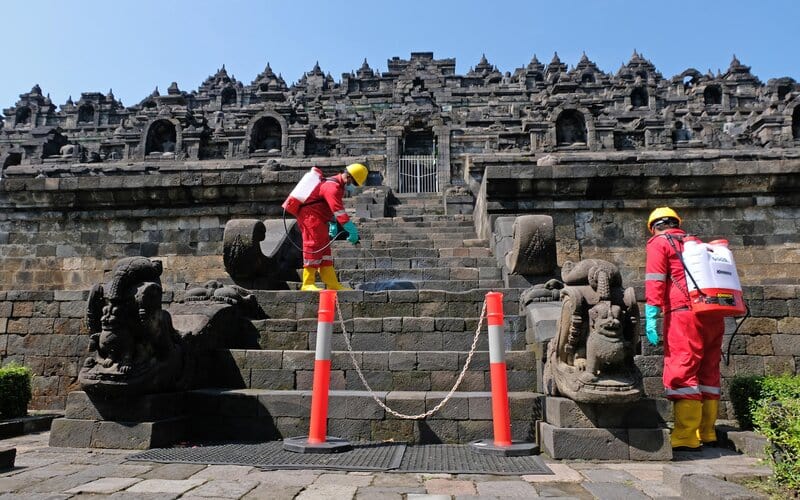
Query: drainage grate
point(271, 455)
point(394, 457)
point(463, 459)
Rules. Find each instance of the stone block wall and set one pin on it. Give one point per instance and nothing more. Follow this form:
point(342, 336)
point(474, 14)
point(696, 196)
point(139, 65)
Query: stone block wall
point(60, 235)
point(44, 330)
point(600, 205)
point(65, 233)
point(767, 342)
point(764, 238)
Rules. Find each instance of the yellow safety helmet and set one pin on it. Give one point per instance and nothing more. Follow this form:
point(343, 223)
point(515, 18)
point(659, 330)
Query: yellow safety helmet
point(358, 172)
point(661, 213)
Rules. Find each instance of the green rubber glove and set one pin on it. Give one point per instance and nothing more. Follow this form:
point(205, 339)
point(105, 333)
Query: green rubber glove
point(653, 323)
point(352, 232)
point(333, 229)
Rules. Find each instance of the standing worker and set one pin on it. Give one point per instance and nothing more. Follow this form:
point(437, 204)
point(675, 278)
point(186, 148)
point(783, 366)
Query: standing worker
point(693, 346)
point(325, 204)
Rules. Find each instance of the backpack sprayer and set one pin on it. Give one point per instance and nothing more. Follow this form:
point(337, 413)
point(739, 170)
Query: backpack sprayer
point(297, 198)
point(713, 285)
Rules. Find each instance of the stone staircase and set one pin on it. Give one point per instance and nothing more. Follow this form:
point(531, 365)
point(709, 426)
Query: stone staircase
point(420, 279)
point(415, 204)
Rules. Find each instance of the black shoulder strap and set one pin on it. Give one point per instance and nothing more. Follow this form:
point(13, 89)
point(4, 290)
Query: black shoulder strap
point(670, 239)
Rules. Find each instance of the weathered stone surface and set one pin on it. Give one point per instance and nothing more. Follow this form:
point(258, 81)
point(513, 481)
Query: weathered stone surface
point(702, 486)
point(71, 433)
point(533, 250)
point(541, 321)
point(140, 409)
point(614, 490)
point(747, 442)
point(649, 444)
point(588, 444)
point(786, 344)
point(591, 357)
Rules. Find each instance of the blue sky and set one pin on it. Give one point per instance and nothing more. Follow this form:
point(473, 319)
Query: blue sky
point(69, 47)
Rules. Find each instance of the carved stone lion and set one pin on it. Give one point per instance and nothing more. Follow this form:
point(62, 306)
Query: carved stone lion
point(136, 347)
point(590, 360)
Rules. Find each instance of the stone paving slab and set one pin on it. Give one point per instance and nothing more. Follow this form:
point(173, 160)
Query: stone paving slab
point(106, 485)
point(61, 473)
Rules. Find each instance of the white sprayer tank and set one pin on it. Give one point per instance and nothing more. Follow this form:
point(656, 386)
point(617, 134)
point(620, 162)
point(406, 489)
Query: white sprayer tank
point(714, 272)
point(302, 190)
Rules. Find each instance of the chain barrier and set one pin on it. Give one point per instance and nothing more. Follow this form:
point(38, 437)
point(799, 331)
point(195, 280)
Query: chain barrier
point(443, 401)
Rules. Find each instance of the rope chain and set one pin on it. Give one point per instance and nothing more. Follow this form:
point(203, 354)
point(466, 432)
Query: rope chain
point(443, 401)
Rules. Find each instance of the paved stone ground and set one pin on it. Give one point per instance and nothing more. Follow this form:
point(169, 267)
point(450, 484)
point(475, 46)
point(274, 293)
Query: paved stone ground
point(42, 472)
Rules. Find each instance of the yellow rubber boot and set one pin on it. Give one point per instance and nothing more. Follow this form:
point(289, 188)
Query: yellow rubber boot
point(707, 432)
point(688, 413)
point(328, 275)
point(309, 278)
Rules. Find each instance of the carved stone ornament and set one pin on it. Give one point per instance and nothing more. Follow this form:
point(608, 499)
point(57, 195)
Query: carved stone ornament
point(590, 360)
point(136, 347)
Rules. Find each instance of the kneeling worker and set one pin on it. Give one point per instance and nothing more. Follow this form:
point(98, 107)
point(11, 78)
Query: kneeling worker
point(323, 205)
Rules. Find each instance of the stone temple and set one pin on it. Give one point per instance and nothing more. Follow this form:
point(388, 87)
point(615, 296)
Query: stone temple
point(91, 181)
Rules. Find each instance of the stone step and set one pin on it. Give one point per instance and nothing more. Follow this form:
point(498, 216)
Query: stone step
point(376, 262)
point(423, 233)
point(366, 250)
point(422, 230)
point(416, 197)
point(384, 370)
point(417, 222)
point(262, 414)
point(423, 274)
point(405, 284)
point(389, 334)
point(431, 285)
point(434, 241)
point(392, 303)
point(432, 220)
point(421, 210)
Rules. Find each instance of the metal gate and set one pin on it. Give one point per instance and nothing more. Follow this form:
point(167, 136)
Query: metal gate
point(418, 174)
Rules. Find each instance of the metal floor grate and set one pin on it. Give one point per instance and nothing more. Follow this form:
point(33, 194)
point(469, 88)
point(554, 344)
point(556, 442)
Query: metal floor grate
point(365, 457)
point(463, 459)
point(393, 457)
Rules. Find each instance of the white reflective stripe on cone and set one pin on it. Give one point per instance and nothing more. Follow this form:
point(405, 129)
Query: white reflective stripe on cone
point(324, 333)
point(497, 351)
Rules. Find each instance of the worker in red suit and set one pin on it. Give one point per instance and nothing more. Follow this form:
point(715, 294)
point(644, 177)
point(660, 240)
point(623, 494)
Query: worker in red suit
point(322, 206)
point(692, 343)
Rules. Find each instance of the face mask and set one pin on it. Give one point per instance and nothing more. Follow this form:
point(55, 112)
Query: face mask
point(351, 189)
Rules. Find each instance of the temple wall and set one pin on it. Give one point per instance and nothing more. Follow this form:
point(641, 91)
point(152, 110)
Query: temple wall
point(60, 235)
point(45, 331)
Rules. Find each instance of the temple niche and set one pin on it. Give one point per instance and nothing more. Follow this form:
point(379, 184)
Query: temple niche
point(266, 136)
point(796, 123)
point(22, 116)
point(228, 97)
point(11, 159)
point(680, 133)
point(570, 128)
point(86, 114)
point(712, 95)
point(161, 138)
point(639, 98)
point(54, 141)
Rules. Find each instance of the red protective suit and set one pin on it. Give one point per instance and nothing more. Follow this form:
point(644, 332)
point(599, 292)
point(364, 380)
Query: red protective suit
point(324, 203)
point(692, 343)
